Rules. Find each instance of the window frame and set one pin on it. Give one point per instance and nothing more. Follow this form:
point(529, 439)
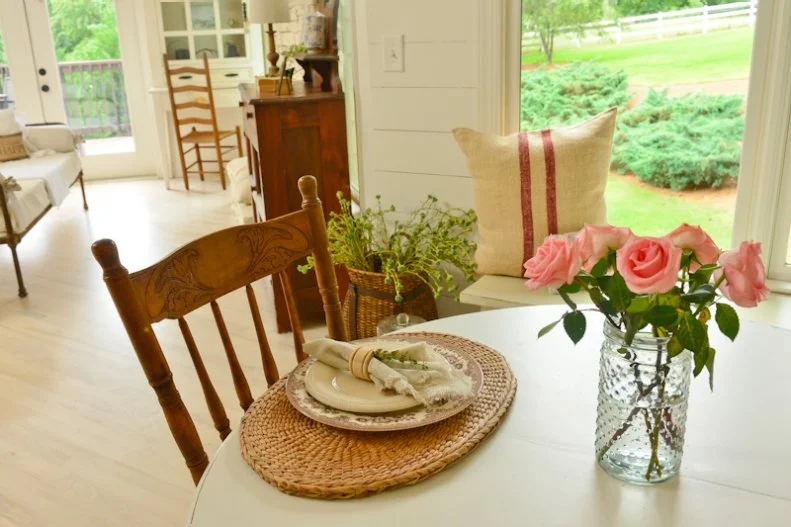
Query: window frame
point(763, 205)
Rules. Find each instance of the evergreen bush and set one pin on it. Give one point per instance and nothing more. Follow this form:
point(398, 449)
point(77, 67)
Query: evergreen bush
point(685, 142)
point(570, 94)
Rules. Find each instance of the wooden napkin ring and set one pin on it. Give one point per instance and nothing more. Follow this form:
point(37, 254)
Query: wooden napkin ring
point(359, 361)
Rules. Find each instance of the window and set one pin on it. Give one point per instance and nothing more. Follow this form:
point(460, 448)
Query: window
point(679, 76)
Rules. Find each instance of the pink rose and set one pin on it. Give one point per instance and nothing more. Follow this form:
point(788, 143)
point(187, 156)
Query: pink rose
point(694, 238)
point(595, 241)
point(649, 265)
point(745, 275)
point(556, 262)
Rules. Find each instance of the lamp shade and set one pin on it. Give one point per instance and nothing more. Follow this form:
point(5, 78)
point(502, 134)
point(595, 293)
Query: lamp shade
point(268, 11)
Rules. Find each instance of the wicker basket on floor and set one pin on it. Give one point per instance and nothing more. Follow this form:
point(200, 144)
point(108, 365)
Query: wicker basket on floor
point(369, 300)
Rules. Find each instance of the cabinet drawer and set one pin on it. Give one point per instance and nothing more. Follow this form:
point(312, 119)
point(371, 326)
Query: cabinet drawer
point(220, 77)
point(250, 125)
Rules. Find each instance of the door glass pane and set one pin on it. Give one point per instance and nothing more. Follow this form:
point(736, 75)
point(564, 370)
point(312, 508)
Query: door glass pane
point(6, 88)
point(233, 46)
point(178, 48)
point(680, 84)
point(231, 14)
point(91, 71)
point(206, 45)
point(203, 16)
point(173, 16)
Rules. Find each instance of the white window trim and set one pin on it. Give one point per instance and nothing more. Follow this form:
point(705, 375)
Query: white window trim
point(760, 205)
point(763, 201)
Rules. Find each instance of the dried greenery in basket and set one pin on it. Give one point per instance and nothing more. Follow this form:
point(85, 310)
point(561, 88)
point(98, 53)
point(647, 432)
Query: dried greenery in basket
point(431, 236)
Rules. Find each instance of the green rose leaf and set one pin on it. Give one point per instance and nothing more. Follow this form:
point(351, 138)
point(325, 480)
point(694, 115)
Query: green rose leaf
point(701, 358)
point(674, 347)
point(692, 334)
point(639, 304)
point(574, 324)
point(710, 367)
point(619, 293)
point(669, 299)
point(600, 269)
point(571, 288)
point(727, 320)
point(546, 329)
point(703, 294)
point(661, 316)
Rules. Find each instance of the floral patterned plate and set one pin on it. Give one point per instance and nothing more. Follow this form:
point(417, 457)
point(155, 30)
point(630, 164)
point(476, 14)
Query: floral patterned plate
point(415, 417)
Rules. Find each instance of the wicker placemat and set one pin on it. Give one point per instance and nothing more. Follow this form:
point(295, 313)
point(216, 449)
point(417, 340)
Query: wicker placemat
point(302, 457)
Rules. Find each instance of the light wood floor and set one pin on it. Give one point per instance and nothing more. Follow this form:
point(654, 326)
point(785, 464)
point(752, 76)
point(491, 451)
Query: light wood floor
point(82, 438)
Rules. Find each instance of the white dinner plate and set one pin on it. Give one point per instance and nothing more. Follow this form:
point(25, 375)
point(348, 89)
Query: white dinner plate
point(341, 390)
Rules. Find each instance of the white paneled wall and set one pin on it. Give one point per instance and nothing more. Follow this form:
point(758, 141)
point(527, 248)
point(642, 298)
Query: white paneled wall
point(406, 117)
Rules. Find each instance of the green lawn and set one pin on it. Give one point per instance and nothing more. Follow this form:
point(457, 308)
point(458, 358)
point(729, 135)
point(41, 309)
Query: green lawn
point(719, 55)
point(650, 213)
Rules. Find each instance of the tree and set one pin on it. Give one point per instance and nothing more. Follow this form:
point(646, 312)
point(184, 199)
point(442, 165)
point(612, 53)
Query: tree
point(548, 18)
point(84, 30)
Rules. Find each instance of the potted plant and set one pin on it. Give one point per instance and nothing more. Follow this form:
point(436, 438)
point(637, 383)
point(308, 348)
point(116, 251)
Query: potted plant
point(659, 297)
point(398, 264)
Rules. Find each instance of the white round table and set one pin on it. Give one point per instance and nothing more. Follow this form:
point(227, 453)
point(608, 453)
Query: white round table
point(539, 467)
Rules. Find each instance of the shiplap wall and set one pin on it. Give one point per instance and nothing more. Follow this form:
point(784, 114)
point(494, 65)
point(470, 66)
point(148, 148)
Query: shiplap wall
point(406, 117)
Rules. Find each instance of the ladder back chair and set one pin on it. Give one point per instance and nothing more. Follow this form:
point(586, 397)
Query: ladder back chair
point(198, 99)
point(201, 272)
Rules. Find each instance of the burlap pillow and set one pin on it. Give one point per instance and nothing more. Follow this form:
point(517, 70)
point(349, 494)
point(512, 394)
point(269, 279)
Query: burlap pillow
point(532, 184)
point(12, 147)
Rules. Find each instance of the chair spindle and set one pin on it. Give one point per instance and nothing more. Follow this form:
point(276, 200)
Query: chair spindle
point(213, 401)
point(293, 315)
point(270, 368)
point(239, 380)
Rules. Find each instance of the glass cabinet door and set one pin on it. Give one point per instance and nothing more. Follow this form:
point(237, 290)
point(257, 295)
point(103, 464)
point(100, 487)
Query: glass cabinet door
point(194, 28)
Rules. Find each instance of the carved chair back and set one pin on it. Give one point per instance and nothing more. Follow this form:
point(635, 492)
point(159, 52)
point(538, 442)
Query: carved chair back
point(198, 274)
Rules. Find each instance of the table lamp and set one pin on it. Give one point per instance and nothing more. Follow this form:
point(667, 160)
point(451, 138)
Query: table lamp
point(269, 12)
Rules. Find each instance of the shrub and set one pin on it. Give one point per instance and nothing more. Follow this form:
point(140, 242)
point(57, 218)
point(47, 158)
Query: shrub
point(568, 95)
point(683, 142)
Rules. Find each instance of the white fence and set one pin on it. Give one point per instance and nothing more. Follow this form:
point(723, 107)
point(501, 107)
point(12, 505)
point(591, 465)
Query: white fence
point(657, 25)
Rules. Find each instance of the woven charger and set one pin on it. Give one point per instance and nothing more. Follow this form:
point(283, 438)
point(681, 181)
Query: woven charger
point(303, 457)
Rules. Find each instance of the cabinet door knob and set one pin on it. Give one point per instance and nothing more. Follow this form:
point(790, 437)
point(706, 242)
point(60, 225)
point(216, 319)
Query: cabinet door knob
point(45, 88)
point(42, 71)
point(249, 115)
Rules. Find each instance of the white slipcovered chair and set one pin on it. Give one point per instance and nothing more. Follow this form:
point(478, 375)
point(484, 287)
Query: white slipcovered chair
point(30, 187)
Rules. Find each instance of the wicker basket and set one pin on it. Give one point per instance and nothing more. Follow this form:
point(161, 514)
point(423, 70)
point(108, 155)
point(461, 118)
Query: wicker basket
point(369, 300)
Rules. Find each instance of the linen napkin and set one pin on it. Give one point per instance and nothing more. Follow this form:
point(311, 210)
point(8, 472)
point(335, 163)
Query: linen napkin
point(408, 369)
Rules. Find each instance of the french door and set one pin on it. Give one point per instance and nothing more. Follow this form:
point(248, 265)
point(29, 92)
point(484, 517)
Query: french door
point(79, 63)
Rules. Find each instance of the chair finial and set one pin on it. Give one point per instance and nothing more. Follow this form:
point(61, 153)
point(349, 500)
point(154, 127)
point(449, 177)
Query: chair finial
point(308, 188)
point(106, 253)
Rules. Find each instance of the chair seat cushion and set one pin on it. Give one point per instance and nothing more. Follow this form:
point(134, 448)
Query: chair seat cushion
point(27, 204)
point(58, 171)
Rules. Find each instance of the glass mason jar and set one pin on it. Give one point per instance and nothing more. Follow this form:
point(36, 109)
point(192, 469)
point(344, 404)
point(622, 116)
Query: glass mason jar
point(642, 413)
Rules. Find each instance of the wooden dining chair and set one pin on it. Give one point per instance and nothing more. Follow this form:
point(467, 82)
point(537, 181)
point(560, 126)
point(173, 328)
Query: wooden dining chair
point(198, 100)
point(201, 272)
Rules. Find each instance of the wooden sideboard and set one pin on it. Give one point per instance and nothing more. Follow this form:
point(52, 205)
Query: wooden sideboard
point(287, 137)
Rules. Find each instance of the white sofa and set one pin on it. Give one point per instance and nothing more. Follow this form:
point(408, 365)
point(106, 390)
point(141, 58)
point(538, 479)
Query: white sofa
point(30, 187)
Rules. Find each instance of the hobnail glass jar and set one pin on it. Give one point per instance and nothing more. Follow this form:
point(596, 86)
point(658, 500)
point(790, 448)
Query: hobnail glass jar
point(642, 411)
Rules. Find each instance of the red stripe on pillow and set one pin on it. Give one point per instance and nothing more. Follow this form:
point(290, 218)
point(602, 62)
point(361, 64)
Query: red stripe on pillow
point(552, 192)
point(527, 203)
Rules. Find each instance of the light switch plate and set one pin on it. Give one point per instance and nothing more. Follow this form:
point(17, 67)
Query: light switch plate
point(393, 49)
